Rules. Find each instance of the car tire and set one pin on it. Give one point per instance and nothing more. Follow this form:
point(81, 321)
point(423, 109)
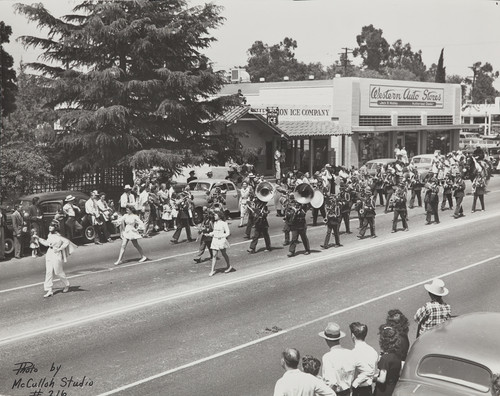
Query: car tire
point(198, 215)
point(89, 233)
point(9, 246)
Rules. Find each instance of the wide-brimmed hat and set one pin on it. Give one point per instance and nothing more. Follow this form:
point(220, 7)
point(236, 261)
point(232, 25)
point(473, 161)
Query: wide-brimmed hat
point(69, 198)
point(127, 187)
point(436, 287)
point(251, 174)
point(332, 332)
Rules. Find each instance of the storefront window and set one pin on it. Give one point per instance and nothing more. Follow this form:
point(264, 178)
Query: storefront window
point(320, 154)
point(438, 140)
point(410, 143)
point(305, 155)
point(372, 146)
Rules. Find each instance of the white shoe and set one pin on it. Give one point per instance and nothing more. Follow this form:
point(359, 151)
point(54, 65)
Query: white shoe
point(118, 262)
point(50, 293)
point(66, 289)
point(143, 259)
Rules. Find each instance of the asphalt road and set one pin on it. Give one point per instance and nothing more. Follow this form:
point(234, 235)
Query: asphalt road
point(164, 327)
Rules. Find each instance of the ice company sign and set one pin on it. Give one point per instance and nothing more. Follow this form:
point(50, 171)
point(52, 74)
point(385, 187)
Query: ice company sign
point(296, 112)
point(397, 96)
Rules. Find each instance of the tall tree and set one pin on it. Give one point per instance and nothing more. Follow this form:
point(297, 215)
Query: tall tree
point(277, 61)
point(482, 85)
point(8, 86)
point(373, 48)
point(130, 81)
point(25, 139)
point(404, 58)
point(441, 70)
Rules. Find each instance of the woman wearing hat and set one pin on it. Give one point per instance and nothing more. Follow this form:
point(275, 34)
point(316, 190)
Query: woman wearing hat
point(434, 312)
point(59, 248)
point(129, 232)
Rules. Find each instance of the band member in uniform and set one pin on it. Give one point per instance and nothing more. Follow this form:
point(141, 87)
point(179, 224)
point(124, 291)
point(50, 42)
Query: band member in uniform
point(245, 193)
point(261, 226)
point(447, 192)
point(289, 211)
point(431, 201)
point(205, 234)
point(399, 204)
point(478, 187)
point(416, 189)
point(346, 205)
point(183, 206)
point(389, 182)
point(459, 192)
point(250, 222)
point(298, 227)
point(332, 220)
point(280, 190)
point(318, 185)
point(367, 213)
point(378, 186)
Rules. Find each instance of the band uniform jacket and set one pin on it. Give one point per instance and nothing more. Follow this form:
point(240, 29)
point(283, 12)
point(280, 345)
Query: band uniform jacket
point(460, 190)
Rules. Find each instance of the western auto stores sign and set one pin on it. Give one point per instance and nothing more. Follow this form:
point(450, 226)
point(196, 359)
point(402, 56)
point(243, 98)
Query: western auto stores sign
point(397, 96)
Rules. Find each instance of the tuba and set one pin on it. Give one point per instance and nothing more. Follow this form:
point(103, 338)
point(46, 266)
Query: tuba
point(264, 191)
point(303, 193)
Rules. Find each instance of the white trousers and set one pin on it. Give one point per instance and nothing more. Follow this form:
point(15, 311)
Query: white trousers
point(53, 265)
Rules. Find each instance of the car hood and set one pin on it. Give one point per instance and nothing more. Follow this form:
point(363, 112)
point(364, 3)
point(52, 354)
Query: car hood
point(407, 388)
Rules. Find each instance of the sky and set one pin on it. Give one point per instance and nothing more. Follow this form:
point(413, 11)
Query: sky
point(468, 30)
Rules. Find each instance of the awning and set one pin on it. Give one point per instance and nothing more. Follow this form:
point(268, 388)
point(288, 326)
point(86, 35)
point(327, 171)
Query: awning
point(233, 114)
point(297, 129)
point(409, 128)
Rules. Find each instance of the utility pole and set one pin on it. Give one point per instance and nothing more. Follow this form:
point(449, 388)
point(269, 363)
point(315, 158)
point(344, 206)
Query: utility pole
point(346, 60)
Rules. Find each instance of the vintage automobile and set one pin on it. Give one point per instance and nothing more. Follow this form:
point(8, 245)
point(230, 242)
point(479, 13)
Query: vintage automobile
point(371, 166)
point(50, 203)
point(201, 189)
point(459, 357)
point(423, 163)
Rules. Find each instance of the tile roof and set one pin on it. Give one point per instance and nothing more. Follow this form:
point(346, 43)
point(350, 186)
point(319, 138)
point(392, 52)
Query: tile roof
point(233, 114)
point(312, 128)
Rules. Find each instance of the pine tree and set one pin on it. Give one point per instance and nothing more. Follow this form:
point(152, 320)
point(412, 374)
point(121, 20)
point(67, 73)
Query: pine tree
point(441, 70)
point(130, 82)
point(8, 86)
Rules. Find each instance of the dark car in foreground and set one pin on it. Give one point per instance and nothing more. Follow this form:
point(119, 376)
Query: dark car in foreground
point(460, 357)
point(49, 204)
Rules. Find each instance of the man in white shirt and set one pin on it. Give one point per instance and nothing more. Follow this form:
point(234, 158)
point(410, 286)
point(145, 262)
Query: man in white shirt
point(92, 211)
point(297, 383)
point(127, 198)
point(365, 361)
point(338, 364)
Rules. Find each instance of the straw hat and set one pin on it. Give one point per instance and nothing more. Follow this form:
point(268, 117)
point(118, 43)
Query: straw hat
point(332, 332)
point(437, 288)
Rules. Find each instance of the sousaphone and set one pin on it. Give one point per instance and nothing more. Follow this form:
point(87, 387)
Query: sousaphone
point(305, 194)
point(264, 191)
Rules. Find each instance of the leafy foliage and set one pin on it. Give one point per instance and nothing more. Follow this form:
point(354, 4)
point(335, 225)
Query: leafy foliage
point(130, 83)
point(277, 61)
point(373, 48)
point(482, 88)
point(8, 86)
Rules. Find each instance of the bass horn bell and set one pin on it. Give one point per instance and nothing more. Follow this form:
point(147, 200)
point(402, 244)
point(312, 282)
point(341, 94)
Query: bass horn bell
point(303, 193)
point(264, 191)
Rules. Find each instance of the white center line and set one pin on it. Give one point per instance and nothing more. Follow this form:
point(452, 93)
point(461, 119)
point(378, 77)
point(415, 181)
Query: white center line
point(289, 265)
point(293, 328)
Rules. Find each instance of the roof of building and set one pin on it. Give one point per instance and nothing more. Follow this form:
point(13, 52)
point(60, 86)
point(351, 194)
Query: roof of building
point(254, 88)
point(233, 114)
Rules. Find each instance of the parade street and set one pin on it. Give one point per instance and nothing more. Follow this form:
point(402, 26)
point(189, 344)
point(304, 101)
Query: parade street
point(164, 327)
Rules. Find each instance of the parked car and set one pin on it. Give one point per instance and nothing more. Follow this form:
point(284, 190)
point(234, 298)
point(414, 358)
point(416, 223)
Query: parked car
point(201, 189)
point(423, 163)
point(50, 203)
point(459, 357)
point(371, 166)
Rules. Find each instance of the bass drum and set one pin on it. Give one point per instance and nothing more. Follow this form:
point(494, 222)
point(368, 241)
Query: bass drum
point(318, 199)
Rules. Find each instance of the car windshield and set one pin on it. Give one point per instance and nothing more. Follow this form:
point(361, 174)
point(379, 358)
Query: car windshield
point(199, 186)
point(457, 371)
